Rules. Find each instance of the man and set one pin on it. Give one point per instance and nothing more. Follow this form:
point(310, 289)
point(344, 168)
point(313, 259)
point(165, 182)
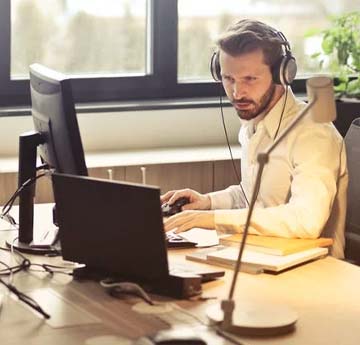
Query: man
point(303, 187)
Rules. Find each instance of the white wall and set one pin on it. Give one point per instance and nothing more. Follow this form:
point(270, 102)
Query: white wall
point(136, 130)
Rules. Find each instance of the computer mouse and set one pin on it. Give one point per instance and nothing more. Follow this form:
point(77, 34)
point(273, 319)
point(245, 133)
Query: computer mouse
point(169, 210)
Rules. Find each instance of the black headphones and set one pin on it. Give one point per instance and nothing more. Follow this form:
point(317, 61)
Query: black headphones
point(283, 71)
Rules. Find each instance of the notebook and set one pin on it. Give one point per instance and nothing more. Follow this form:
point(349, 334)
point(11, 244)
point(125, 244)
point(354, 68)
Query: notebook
point(275, 245)
point(254, 261)
point(116, 229)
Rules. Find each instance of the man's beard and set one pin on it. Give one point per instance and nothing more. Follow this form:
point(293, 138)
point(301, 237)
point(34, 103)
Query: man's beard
point(258, 107)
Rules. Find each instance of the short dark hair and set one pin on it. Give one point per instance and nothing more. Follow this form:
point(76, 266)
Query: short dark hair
point(247, 35)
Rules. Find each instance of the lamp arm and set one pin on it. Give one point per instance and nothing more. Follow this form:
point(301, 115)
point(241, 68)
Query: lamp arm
point(291, 125)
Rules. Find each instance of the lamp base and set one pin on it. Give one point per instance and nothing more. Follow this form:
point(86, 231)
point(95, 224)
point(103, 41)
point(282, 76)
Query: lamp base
point(259, 320)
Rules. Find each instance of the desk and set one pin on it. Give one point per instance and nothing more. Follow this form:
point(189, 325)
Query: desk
point(325, 293)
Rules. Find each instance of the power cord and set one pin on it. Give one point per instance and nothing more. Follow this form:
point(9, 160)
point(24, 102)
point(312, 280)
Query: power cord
point(21, 266)
point(25, 265)
point(9, 204)
point(117, 288)
point(25, 299)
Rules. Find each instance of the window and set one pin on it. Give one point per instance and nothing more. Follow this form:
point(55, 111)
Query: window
point(199, 25)
point(141, 49)
point(113, 49)
point(79, 38)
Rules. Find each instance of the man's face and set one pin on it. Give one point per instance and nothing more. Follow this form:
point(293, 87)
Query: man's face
point(247, 82)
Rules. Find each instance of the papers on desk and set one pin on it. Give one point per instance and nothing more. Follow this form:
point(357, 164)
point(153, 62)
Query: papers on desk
point(203, 237)
point(255, 262)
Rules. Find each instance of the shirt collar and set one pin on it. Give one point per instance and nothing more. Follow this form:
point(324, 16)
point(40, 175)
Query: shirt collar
point(271, 120)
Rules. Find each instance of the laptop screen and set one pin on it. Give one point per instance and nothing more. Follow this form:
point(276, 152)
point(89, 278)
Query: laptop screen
point(111, 227)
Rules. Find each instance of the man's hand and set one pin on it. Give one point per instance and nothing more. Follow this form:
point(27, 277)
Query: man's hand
point(197, 201)
point(190, 219)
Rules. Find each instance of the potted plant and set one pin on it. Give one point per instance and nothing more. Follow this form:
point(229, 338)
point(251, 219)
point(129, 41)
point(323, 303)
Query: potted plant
point(341, 55)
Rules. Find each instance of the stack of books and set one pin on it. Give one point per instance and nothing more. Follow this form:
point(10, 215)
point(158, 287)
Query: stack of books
point(263, 253)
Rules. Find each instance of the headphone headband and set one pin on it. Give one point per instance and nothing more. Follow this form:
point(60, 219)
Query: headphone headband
point(283, 71)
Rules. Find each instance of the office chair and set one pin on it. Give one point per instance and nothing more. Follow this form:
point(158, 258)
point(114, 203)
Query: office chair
point(352, 230)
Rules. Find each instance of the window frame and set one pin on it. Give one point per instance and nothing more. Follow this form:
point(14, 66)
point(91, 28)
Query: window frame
point(160, 84)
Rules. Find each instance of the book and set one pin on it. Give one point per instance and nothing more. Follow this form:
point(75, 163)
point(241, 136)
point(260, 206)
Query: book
point(256, 262)
point(275, 245)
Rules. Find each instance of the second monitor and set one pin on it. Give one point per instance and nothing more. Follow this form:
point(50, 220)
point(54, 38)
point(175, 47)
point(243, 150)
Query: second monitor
point(56, 134)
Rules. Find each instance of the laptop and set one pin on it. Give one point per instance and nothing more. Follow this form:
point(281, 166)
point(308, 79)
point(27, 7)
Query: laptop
point(116, 230)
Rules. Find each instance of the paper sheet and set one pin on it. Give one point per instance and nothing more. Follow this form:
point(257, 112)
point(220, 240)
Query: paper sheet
point(203, 237)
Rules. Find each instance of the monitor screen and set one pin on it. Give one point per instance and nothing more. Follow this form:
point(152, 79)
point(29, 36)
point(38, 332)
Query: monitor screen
point(54, 117)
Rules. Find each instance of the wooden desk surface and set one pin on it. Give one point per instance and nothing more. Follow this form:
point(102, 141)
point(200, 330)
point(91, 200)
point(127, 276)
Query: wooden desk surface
point(325, 293)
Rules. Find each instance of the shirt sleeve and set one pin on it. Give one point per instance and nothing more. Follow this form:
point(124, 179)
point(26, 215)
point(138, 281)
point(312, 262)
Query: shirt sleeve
point(315, 158)
point(231, 197)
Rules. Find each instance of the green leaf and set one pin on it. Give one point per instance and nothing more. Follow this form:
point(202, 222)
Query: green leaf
point(354, 86)
point(341, 43)
point(342, 55)
point(340, 88)
point(315, 55)
point(343, 78)
point(328, 44)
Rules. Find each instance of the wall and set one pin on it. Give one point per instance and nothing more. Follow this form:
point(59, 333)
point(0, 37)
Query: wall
point(141, 130)
point(136, 130)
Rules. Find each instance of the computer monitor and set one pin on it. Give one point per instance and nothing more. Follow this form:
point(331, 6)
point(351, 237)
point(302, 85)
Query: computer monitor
point(58, 137)
point(54, 117)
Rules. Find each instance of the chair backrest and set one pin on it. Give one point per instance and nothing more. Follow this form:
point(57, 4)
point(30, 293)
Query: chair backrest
point(352, 232)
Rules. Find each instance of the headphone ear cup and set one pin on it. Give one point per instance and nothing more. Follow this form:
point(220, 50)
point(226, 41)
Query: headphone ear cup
point(288, 70)
point(215, 66)
point(284, 70)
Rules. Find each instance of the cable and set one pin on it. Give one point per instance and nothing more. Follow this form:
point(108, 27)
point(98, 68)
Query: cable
point(229, 147)
point(25, 265)
point(21, 266)
point(25, 299)
point(116, 288)
point(8, 205)
point(227, 140)
point(282, 112)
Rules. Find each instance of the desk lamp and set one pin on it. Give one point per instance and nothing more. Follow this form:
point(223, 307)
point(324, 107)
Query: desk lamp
point(275, 319)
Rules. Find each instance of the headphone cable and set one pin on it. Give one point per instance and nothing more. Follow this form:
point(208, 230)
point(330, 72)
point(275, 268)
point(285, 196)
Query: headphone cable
point(282, 112)
point(229, 147)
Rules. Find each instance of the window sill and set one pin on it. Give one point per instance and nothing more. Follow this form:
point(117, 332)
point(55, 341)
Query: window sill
point(107, 107)
point(103, 159)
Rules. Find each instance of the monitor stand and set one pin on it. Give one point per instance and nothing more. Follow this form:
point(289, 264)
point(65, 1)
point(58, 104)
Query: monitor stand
point(48, 245)
point(37, 249)
point(28, 143)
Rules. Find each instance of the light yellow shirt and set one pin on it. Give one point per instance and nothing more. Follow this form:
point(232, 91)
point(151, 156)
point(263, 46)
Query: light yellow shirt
point(303, 186)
